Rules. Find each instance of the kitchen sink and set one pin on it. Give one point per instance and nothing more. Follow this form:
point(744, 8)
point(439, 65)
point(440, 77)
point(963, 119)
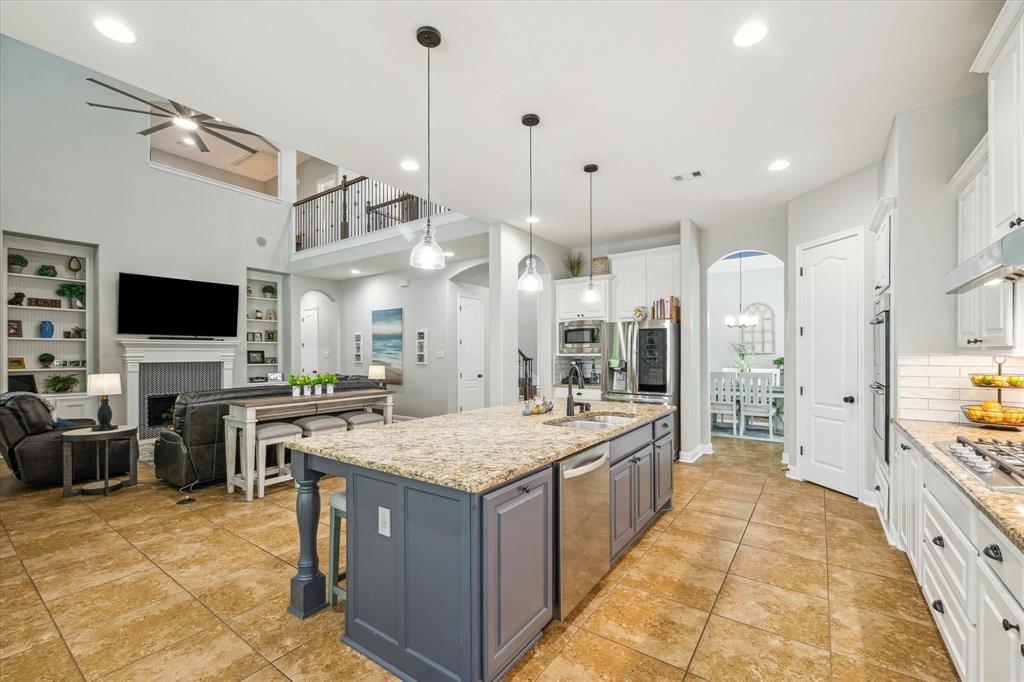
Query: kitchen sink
point(594, 421)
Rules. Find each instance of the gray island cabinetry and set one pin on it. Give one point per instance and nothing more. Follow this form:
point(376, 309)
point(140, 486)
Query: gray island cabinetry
point(451, 536)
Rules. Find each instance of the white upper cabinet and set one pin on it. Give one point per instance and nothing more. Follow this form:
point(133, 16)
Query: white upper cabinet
point(568, 304)
point(641, 277)
point(883, 236)
point(967, 304)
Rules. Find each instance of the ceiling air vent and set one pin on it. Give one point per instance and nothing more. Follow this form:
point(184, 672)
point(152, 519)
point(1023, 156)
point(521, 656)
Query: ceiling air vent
point(687, 176)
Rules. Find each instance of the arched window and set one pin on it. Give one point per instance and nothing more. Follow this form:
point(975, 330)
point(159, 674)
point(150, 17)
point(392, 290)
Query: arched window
point(762, 337)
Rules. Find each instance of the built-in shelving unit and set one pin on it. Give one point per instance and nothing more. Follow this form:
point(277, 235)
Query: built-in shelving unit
point(263, 335)
point(72, 341)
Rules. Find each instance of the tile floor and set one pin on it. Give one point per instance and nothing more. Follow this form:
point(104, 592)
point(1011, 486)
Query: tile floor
point(751, 576)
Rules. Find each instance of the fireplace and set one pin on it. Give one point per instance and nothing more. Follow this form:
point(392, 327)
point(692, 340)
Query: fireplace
point(160, 409)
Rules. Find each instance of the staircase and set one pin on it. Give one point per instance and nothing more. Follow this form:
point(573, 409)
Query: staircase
point(527, 376)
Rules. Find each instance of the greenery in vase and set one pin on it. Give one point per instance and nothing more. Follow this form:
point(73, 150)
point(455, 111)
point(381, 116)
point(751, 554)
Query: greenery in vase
point(573, 261)
point(47, 271)
point(269, 291)
point(61, 383)
point(744, 355)
point(46, 359)
point(71, 290)
point(328, 379)
point(16, 260)
point(778, 362)
point(293, 380)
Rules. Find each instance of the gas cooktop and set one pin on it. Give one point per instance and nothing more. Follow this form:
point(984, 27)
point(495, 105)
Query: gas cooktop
point(998, 464)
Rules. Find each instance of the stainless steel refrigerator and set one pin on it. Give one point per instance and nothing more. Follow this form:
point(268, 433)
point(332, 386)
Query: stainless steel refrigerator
point(641, 362)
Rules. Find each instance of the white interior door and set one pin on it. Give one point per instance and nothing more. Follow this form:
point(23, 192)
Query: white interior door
point(310, 335)
point(471, 352)
point(829, 306)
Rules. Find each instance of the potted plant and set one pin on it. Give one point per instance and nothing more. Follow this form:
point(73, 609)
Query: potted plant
point(779, 362)
point(61, 383)
point(269, 291)
point(318, 384)
point(16, 262)
point(74, 292)
point(293, 381)
point(573, 261)
point(307, 384)
point(744, 353)
point(329, 381)
point(47, 271)
point(46, 359)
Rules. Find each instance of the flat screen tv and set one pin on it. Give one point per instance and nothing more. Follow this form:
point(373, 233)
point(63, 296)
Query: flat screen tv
point(164, 306)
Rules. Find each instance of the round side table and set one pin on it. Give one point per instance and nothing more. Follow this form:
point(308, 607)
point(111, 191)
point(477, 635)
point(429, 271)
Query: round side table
point(102, 440)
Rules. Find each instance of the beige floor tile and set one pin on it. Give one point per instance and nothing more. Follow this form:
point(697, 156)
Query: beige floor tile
point(890, 596)
point(214, 562)
point(794, 487)
point(870, 556)
point(214, 654)
point(94, 606)
point(326, 658)
point(274, 632)
point(782, 570)
point(44, 517)
point(740, 478)
point(724, 506)
point(267, 674)
point(244, 589)
point(590, 657)
point(87, 571)
point(848, 670)
point(849, 507)
point(61, 538)
point(785, 541)
point(712, 525)
point(733, 651)
point(697, 549)
point(856, 529)
point(801, 522)
point(590, 603)
point(277, 538)
point(892, 643)
point(665, 575)
point(16, 589)
point(322, 544)
point(48, 662)
point(183, 538)
point(6, 546)
point(652, 625)
point(736, 491)
point(781, 500)
point(530, 666)
point(55, 554)
point(24, 629)
point(783, 612)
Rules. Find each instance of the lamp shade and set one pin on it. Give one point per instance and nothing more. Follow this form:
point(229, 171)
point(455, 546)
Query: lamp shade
point(376, 372)
point(103, 384)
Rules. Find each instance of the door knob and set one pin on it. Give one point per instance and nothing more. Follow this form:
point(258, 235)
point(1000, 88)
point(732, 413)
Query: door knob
point(479, 376)
point(848, 399)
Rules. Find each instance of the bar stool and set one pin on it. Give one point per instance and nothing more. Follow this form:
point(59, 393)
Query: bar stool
point(363, 420)
point(319, 424)
point(339, 510)
point(271, 434)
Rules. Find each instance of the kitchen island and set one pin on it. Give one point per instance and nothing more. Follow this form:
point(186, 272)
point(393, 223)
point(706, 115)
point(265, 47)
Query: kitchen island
point(451, 534)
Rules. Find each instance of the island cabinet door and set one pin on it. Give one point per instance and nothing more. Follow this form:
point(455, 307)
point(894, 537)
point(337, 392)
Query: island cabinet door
point(518, 568)
point(622, 503)
point(645, 495)
point(663, 471)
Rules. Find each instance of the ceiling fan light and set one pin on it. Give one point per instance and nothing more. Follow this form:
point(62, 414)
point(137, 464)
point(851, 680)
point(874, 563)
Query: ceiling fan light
point(185, 123)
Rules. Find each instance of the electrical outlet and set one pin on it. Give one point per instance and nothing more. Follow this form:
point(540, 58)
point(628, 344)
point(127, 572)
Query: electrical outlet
point(384, 521)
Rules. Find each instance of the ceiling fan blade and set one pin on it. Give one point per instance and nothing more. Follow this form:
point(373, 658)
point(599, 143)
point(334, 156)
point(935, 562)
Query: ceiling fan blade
point(269, 143)
point(227, 139)
point(199, 141)
point(180, 109)
point(201, 117)
point(136, 111)
point(232, 129)
point(156, 128)
point(128, 94)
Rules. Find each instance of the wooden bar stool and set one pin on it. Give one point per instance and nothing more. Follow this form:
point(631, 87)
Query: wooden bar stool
point(254, 473)
point(339, 510)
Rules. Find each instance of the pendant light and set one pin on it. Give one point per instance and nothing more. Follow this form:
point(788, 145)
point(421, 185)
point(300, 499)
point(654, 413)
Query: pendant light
point(428, 254)
point(591, 293)
point(741, 321)
point(530, 280)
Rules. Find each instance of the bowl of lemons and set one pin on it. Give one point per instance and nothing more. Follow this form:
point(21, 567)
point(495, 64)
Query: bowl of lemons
point(994, 413)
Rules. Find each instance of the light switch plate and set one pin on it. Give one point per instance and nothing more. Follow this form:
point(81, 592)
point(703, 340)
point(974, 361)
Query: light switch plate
point(384, 521)
point(440, 355)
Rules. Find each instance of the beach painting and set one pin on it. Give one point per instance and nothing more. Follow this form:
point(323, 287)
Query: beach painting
point(387, 343)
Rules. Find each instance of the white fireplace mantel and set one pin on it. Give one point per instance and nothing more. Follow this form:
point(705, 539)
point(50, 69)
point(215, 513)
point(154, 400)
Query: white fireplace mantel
point(135, 352)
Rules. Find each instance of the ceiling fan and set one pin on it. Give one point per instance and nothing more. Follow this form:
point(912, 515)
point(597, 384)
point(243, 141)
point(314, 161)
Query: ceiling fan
point(187, 119)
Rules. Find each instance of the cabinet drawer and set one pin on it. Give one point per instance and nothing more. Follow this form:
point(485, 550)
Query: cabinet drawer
point(950, 618)
point(1002, 557)
point(630, 442)
point(950, 500)
point(882, 496)
point(952, 553)
point(663, 427)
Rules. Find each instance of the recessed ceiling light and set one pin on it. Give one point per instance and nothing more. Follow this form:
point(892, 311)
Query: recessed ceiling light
point(532, 219)
point(184, 123)
point(115, 30)
point(778, 164)
point(354, 271)
point(750, 33)
point(449, 254)
point(410, 165)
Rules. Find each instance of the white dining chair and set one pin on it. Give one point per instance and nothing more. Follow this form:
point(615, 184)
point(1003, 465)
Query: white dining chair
point(773, 372)
point(756, 399)
point(724, 398)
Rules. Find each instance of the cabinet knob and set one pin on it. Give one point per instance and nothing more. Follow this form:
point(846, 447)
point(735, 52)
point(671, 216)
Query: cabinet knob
point(1007, 625)
point(878, 488)
point(848, 399)
point(524, 488)
point(937, 605)
point(1016, 223)
point(904, 446)
point(993, 552)
point(938, 541)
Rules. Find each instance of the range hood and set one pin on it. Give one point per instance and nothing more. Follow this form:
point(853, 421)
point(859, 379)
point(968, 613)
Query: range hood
point(1004, 260)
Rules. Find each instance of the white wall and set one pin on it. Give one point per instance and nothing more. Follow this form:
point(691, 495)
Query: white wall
point(691, 328)
point(761, 284)
point(212, 172)
point(77, 173)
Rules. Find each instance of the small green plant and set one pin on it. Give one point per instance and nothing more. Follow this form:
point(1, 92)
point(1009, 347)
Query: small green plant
point(71, 290)
point(779, 362)
point(17, 260)
point(47, 271)
point(744, 352)
point(61, 383)
point(328, 379)
point(46, 359)
point(573, 261)
point(293, 380)
point(269, 291)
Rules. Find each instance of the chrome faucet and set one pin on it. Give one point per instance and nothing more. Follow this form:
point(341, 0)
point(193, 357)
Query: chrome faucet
point(570, 408)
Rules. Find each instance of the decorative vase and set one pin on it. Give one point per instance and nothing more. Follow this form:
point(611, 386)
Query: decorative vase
point(330, 389)
point(307, 390)
point(318, 389)
point(16, 269)
point(47, 365)
point(76, 303)
point(296, 391)
point(46, 329)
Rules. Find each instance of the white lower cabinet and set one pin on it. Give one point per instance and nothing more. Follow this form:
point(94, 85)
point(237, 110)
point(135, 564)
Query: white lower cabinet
point(949, 615)
point(78, 407)
point(1000, 618)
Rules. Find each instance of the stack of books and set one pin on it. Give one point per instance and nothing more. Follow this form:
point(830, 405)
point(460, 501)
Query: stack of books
point(665, 309)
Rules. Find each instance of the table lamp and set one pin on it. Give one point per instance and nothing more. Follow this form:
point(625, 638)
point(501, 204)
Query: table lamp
point(377, 373)
point(104, 385)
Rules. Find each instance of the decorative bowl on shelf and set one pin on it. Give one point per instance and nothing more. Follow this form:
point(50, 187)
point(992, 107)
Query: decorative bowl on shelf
point(998, 380)
point(994, 414)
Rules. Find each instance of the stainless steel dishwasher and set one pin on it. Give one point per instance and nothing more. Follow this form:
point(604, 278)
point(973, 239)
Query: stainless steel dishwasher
point(584, 554)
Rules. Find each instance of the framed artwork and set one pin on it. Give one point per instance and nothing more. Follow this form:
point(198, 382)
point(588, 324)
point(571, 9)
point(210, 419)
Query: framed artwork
point(421, 346)
point(14, 328)
point(386, 344)
point(15, 362)
point(357, 348)
point(272, 336)
point(22, 382)
point(271, 360)
point(275, 376)
point(255, 357)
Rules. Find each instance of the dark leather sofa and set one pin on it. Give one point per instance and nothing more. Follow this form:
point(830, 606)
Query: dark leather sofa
point(33, 446)
point(192, 450)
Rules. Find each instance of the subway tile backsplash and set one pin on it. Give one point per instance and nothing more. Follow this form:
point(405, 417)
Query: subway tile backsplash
point(933, 387)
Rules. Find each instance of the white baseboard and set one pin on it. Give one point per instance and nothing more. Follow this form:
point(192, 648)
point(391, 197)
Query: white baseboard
point(693, 455)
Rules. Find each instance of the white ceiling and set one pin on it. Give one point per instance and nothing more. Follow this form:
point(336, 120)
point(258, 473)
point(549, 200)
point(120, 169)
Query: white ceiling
point(646, 90)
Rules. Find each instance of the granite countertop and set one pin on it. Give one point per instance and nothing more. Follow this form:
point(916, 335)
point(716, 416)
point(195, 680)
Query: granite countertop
point(1005, 510)
point(476, 450)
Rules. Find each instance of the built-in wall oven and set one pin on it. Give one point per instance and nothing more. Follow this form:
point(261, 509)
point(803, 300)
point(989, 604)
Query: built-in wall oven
point(880, 383)
point(580, 337)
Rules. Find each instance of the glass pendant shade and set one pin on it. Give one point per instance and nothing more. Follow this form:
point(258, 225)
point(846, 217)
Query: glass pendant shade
point(730, 320)
point(428, 254)
point(591, 294)
point(530, 280)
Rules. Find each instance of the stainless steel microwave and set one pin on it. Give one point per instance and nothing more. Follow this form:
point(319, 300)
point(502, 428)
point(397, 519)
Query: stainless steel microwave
point(580, 337)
